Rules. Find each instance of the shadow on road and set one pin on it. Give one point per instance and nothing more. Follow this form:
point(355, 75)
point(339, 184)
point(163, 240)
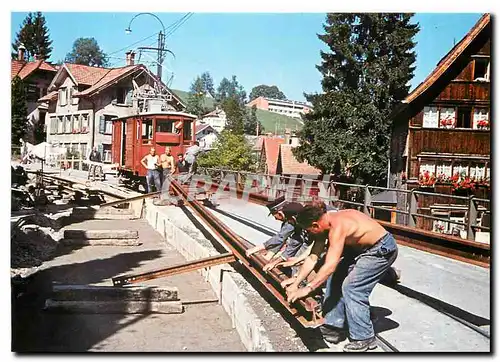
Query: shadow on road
point(34, 330)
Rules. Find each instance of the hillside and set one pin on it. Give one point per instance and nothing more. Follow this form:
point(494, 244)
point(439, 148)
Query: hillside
point(272, 122)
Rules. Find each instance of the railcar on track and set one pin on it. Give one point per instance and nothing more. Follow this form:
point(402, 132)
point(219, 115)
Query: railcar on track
point(134, 136)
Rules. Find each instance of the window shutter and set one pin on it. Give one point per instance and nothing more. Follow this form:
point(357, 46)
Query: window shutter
point(102, 124)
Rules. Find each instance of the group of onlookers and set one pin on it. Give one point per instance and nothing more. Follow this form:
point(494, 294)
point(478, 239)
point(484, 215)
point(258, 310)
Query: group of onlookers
point(161, 167)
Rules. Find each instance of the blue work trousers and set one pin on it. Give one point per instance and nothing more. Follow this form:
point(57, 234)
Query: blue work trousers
point(153, 177)
point(348, 289)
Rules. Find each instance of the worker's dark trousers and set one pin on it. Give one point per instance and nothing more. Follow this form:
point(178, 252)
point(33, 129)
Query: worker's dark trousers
point(350, 286)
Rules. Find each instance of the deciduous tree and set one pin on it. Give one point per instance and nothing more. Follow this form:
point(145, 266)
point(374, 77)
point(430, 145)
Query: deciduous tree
point(86, 51)
point(231, 151)
point(267, 92)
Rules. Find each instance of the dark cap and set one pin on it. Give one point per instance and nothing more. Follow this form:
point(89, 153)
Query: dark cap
point(292, 209)
point(276, 205)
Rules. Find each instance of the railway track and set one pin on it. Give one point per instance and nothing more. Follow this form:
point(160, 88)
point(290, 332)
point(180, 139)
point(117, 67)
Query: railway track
point(304, 312)
point(463, 318)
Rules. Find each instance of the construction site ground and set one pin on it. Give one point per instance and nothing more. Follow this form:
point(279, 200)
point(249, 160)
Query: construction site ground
point(201, 327)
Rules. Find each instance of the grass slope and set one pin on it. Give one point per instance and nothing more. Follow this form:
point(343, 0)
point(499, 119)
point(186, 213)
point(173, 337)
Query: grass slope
point(272, 122)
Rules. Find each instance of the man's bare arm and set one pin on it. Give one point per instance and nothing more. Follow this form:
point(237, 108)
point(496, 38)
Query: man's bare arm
point(143, 163)
point(309, 263)
point(336, 242)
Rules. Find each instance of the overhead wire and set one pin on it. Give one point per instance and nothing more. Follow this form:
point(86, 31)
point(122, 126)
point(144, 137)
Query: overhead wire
point(175, 24)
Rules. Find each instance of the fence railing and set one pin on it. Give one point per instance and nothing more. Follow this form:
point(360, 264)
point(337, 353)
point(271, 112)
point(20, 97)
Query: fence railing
point(403, 207)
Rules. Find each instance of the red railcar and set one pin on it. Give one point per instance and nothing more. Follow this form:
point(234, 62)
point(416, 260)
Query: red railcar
point(133, 137)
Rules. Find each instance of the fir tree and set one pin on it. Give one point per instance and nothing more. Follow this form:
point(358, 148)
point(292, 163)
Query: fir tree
point(18, 110)
point(366, 72)
point(196, 97)
point(34, 35)
point(230, 89)
point(235, 115)
point(252, 123)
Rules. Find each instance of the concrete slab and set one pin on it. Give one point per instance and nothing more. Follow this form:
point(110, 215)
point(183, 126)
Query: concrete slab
point(260, 326)
point(101, 242)
point(114, 307)
point(103, 293)
point(100, 234)
point(200, 328)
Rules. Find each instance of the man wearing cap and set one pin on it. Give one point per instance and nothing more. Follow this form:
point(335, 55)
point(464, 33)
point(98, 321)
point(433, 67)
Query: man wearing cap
point(289, 233)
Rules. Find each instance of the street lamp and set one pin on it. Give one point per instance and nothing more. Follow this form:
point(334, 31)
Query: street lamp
point(161, 41)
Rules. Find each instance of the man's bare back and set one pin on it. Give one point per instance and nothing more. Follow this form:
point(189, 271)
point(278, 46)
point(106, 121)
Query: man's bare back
point(359, 229)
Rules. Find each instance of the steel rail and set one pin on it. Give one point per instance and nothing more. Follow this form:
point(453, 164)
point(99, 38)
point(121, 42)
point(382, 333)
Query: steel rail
point(174, 269)
point(303, 310)
point(129, 199)
point(455, 248)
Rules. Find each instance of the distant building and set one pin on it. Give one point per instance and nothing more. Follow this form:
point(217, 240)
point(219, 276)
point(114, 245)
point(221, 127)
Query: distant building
point(288, 165)
point(269, 154)
point(36, 76)
point(285, 107)
point(206, 135)
point(83, 101)
point(216, 119)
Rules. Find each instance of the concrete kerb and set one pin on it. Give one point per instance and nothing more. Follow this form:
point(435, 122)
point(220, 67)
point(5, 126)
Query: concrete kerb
point(222, 278)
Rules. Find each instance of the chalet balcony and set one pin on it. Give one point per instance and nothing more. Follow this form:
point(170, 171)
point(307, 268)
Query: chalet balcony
point(450, 141)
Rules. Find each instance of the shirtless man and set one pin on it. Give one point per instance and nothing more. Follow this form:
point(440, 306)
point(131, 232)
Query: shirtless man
point(167, 164)
point(367, 252)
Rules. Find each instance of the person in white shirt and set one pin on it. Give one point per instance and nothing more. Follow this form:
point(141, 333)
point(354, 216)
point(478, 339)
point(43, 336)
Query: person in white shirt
point(190, 157)
point(152, 163)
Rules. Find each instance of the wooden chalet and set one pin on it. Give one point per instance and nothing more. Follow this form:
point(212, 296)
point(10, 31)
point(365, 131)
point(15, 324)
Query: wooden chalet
point(441, 132)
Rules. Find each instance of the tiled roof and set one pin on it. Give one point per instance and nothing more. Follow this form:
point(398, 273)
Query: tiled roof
point(24, 69)
point(15, 67)
point(291, 166)
point(109, 77)
point(85, 74)
point(271, 148)
point(49, 96)
point(202, 127)
point(447, 61)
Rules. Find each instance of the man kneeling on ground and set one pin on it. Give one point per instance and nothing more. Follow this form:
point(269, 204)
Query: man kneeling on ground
point(368, 251)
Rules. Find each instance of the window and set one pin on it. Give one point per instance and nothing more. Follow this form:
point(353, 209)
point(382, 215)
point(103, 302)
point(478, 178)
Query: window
point(481, 118)
point(106, 153)
point(84, 149)
point(69, 124)
point(53, 125)
point(63, 96)
point(430, 117)
point(164, 126)
point(429, 166)
point(108, 127)
point(481, 69)
point(60, 125)
point(85, 121)
point(187, 130)
point(461, 168)
point(443, 168)
point(447, 118)
point(147, 129)
point(464, 117)
point(478, 170)
point(74, 100)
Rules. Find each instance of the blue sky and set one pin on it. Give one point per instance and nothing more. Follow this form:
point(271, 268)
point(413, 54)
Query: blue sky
point(275, 49)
